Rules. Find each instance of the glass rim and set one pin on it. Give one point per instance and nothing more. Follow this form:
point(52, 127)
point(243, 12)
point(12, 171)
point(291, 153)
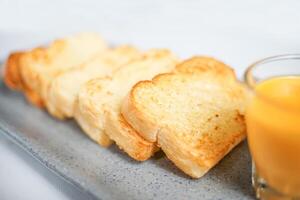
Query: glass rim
point(248, 79)
point(251, 83)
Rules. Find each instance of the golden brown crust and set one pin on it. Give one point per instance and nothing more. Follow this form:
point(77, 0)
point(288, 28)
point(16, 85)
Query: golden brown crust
point(12, 76)
point(14, 80)
point(204, 64)
point(190, 163)
point(130, 141)
point(34, 98)
point(135, 116)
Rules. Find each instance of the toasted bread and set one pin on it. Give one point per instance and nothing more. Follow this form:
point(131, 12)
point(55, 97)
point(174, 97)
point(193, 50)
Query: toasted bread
point(13, 79)
point(98, 107)
point(64, 88)
point(32, 71)
point(196, 114)
point(12, 76)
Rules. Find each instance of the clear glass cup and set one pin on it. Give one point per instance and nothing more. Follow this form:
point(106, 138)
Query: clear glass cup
point(273, 126)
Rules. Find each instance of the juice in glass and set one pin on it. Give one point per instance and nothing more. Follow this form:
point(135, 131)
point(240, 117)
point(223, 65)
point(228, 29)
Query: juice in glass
point(273, 126)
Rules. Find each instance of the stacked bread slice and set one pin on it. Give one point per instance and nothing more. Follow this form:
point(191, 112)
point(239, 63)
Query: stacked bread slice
point(33, 71)
point(63, 90)
point(99, 101)
point(142, 101)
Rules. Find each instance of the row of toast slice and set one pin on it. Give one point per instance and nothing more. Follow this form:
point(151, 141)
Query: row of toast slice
point(143, 101)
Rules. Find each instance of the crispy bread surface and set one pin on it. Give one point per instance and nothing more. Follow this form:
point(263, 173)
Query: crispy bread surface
point(195, 114)
point(99, 100)
point(64, 88)
point(32, 71)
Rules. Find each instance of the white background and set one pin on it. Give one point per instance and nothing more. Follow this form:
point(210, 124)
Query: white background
point(237, 32)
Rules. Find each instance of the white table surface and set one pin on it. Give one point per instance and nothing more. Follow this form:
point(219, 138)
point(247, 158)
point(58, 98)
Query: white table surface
point(238, 32)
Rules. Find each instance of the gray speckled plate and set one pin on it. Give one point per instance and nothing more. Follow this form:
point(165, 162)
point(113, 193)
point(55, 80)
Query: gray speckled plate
point(109, 173)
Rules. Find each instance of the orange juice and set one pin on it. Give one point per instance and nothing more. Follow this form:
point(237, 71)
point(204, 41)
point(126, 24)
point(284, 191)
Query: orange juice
point(273, 124)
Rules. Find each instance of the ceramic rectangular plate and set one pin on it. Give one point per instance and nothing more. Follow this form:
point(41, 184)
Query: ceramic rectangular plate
point(109, 173)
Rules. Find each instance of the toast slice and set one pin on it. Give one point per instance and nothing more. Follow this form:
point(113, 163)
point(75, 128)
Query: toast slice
point(13, 79)
point(101, 98)
point(32, 71)
point(64, 88)
point(12, 76)
point(196, 114)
